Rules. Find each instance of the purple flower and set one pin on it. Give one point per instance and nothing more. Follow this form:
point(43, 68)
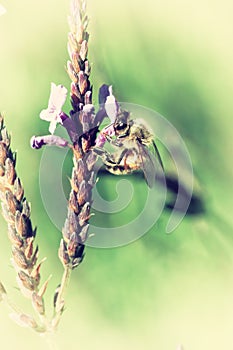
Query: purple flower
point(103, 94)
point(102, 137)
point(53, 113)
point(100, 140)
point(51, 140)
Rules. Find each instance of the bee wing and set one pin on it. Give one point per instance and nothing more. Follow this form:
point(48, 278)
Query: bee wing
point(157, 155)
point(147, 164)
point(151, 163)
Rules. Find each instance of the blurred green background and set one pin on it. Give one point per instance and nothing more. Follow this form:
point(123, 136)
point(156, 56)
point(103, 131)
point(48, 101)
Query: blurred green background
point(176, 58)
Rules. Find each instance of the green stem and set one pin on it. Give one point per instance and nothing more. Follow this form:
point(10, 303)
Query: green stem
point(60, 297)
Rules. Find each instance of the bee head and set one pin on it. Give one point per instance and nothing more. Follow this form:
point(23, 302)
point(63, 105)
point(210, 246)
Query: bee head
point(122, 124)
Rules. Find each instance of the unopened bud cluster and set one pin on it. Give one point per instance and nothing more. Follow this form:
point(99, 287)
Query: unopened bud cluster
point(76, 226)
point(78, 67)
point(16, 211)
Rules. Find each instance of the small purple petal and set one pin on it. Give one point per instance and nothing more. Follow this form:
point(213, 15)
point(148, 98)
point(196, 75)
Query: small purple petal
point(50, 140)
point(88, 96)
point(63, 117)
point(71, 129)
point(103, 94)
point(100, 140)
point(87, 116)
point(100, 115)
point(109, 130)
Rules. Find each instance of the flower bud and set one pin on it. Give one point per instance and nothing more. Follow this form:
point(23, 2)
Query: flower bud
point(20, 258)
point(38, 303)
point(10, 173)
point(3, 152)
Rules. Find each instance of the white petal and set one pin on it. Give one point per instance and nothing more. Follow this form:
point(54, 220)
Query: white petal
point(111, 108)
point(52, 126)
point(89, 108)
point(48, 114)
point(57, 97)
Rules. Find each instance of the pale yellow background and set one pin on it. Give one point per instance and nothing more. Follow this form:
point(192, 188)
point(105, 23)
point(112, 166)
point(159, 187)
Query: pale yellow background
point(175, 57)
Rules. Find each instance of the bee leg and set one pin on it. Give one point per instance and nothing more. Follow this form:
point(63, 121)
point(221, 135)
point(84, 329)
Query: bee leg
point(126, 166)
point(120, 156)
point(99, 151)
point(108, 158)
point(117, 143)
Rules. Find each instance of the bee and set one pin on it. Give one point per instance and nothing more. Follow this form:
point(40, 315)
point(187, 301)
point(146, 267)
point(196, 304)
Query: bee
point(135, 149)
